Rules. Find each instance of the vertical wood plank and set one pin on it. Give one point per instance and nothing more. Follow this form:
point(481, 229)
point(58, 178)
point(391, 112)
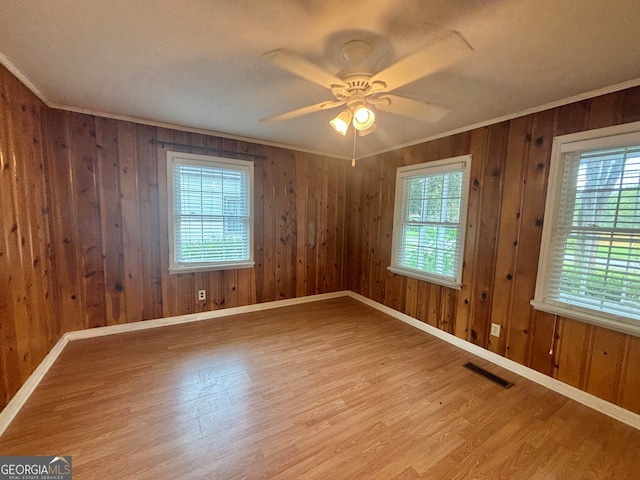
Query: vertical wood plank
point(603, 371)
point(131, 247)
point(85, 186)
point(302, 189)
point(542, 342)
point(329, 191)
point(487, 232)
point(64, 224)
point(354, 220)
point(322, 214)
point(312, 227)
point(605, 111)
point(448, 315)
point(424, 296)
point(216, 290)
point(9, 369)
point(168, 281)
point(111, 220)
point(478, 149)
point(630, 382)
point(411, 298)
point(187, 294)
point(393, 285)
point(258, 223)
point(230, 288)
point(531, 219)
point(341, 259)
point(631, 105)
point(283, 222)
point(573, 342)
point(268, 289)
point(433, 312)
point(508, 230)
point(244, 287)
point(148, 209)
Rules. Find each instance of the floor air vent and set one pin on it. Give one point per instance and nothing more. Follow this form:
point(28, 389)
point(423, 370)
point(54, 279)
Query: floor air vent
point(487, 374)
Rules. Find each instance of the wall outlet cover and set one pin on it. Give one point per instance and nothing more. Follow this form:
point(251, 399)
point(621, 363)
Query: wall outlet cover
point(495, 330)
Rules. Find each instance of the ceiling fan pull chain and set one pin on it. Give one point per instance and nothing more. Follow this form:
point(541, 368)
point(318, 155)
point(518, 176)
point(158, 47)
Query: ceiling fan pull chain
point(353, 158)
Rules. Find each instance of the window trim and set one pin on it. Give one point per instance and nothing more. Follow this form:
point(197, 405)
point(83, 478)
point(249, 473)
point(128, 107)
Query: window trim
point(181, 158)
point(601, 138)
point(433, 167)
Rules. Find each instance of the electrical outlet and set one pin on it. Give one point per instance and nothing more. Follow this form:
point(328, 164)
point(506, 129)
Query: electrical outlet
point(202, 294)
point(495, 330)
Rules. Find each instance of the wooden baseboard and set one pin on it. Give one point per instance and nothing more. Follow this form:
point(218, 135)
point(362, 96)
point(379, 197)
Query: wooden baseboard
point(615, 411)
point(196, 317)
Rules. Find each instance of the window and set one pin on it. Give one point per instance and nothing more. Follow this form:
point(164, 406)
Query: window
point(429, 219)
point(210, 213)
point(590, 256)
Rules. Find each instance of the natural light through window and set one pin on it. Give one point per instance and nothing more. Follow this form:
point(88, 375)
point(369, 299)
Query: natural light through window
point(429, 217)
point(210, 221)
point(590, 261)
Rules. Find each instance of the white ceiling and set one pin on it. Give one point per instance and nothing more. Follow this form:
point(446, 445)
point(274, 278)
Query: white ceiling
point(198, 64)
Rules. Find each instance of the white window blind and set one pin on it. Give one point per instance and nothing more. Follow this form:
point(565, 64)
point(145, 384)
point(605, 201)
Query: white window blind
point(210, 212)
point(591, 244)
point(430, 213)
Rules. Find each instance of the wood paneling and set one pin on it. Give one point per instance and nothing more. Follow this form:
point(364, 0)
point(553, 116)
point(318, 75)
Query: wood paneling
point(84, 233)
point(504, 227)
point(26, 279)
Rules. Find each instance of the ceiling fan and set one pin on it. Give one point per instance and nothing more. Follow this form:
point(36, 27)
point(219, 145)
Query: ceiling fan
point(357, 89)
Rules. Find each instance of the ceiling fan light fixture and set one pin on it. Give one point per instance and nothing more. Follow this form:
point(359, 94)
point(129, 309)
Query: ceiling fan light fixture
point(364, 133)
point(363, 118)
point(341, 122)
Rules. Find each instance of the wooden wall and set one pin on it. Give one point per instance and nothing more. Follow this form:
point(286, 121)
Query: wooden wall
point(84, 233)
point(506, 208)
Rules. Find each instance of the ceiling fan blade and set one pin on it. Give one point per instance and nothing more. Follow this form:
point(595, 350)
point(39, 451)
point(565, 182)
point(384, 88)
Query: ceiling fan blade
point(304, 111)
point(300, 66)
point(427, 112)
point(448, 49)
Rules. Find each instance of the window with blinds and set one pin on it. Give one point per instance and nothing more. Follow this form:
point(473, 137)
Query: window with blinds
point(590, 259)
point(210, 218)
point(429, 218)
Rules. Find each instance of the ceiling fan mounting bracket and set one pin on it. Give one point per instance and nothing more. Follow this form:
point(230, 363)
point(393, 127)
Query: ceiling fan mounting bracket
point(355, 52)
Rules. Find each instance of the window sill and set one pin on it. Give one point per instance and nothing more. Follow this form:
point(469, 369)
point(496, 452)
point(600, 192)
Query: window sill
point(210, 267)
point(618, 324)
point(418, 275)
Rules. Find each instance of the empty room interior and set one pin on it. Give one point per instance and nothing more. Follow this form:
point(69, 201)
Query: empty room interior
point(390, 239)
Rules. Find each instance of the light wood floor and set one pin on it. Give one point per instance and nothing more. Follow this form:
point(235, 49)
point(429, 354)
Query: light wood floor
point(332, 389)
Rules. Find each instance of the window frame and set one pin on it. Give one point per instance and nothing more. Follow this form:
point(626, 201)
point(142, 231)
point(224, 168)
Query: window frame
point(602, 138)
point(181, 158)
point(447, 165)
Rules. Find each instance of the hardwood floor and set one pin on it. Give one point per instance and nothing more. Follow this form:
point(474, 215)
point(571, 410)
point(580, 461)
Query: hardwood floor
point(333, 389)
